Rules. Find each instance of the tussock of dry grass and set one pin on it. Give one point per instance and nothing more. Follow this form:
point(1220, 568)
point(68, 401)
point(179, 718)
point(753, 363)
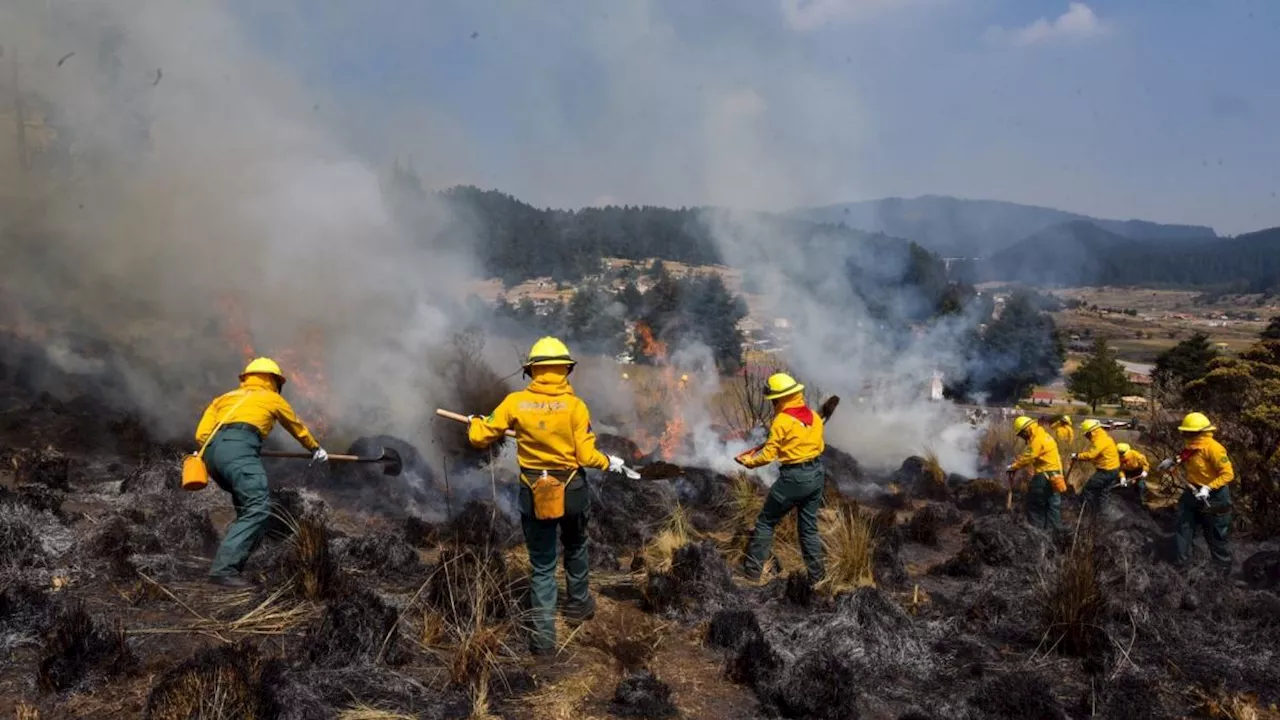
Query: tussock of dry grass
point(849, 540)
point(314, 571)
point(998, 443)
point(25, 712)
point(1072, 600)
point(676, 532)
point(1220, 704)
point(364, 712)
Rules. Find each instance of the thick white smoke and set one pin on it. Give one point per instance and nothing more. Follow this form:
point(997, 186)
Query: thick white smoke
point(187, 168)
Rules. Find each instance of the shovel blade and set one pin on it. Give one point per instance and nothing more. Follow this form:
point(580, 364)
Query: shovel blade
point(391, 463)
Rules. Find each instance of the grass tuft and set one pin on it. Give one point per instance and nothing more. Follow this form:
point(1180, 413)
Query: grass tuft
point(850, 544)
point(1072, 600)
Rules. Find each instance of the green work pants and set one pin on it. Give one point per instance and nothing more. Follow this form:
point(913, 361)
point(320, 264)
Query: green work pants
point(540, 539)
point(1044, 504)
point(1097, 489)
point(799, 487)
point(1216, 526)
point(234, 464)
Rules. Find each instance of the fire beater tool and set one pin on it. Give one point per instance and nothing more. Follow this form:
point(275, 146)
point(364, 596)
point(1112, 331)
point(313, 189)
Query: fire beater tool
point(825, 412)
point(457, 417)
point(390, 459)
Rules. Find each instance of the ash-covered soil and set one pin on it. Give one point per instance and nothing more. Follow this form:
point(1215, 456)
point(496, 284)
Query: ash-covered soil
point(367, 605)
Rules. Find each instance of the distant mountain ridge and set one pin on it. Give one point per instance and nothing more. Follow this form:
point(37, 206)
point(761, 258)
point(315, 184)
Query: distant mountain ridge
point(1081, 253)
point(955, 227)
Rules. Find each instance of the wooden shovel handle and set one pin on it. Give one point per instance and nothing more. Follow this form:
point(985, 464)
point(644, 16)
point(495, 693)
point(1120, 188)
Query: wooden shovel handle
point(463, 419)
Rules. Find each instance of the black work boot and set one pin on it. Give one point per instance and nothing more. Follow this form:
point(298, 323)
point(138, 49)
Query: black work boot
point(580, 612)
point(230, 581)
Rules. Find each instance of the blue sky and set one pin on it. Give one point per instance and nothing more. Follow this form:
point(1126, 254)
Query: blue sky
point(1117, 108)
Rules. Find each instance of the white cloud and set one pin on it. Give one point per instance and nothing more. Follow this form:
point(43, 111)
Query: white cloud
point(1079, 22)
point(810, 14)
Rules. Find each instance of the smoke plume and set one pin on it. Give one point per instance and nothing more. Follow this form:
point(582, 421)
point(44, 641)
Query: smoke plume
point(172, 183)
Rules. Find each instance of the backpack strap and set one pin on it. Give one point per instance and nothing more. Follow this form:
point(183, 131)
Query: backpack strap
point(223, 421)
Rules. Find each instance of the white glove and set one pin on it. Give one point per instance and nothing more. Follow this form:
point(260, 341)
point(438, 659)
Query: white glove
point(615, 463)
point(1165, 464)
point(1143, 475)
point(1124, 481)
point(1075, 456)
point(1203, 493)
point(319, 456)
point(1011, 469)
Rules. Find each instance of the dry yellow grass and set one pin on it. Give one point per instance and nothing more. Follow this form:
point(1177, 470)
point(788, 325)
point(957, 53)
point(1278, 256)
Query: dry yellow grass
point(25, 712)
point(676, 532)
point(1219, 704)
point(849, 542)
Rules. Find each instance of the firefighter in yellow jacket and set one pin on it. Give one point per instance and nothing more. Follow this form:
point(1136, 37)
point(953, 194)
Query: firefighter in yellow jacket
point(795, 442)
point(231, 434)
point(1105, 457)
point(1134, 468)
point(554, 443)
point(1044, 492)
point(1208, 469)
point(1064, 433)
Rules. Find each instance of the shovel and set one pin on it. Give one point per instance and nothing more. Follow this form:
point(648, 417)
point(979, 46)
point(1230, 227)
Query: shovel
point(390, 459)
point(631, 474)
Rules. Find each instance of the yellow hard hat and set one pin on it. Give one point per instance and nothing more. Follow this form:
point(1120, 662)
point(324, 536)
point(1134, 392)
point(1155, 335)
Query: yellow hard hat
point(1122, 448)
point(263, 366)
point(1196, 422)
point(1021, 423)
point(1065, 419)
point(1089, 426)
point(549, 351)
point(781, 385)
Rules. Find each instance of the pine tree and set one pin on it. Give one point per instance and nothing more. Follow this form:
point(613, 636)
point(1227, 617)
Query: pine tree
point(1184, 362)
point(1100, 377)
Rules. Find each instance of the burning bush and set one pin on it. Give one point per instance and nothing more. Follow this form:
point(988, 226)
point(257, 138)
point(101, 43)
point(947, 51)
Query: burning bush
point(642, 695)
point(356, 629)
point(77, 653)
point(223, 683)
point(476, 389)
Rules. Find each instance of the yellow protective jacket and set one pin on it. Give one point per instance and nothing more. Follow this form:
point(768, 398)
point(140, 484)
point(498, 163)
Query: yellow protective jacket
point(790, 440)
point(1064, 434)
point(257, 403)
point(1206, 462)
point(1134, 463)
point(553, 427)
point(1041, 454)
point(1102, 452)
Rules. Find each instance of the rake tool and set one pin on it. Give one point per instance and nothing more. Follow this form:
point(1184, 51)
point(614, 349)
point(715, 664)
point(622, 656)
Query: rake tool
point(1210, 509)
point(390, 459)
point(457, 417)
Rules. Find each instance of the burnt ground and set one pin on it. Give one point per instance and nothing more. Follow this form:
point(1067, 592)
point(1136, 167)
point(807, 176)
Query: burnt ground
point(364, 608)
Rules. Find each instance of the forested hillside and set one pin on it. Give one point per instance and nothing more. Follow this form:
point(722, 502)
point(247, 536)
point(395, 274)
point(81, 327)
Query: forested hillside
point(953, 227)
point(1080, 253)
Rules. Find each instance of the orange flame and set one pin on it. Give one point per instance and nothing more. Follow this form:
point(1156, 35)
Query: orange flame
point(303, 364)
point(673, 434)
